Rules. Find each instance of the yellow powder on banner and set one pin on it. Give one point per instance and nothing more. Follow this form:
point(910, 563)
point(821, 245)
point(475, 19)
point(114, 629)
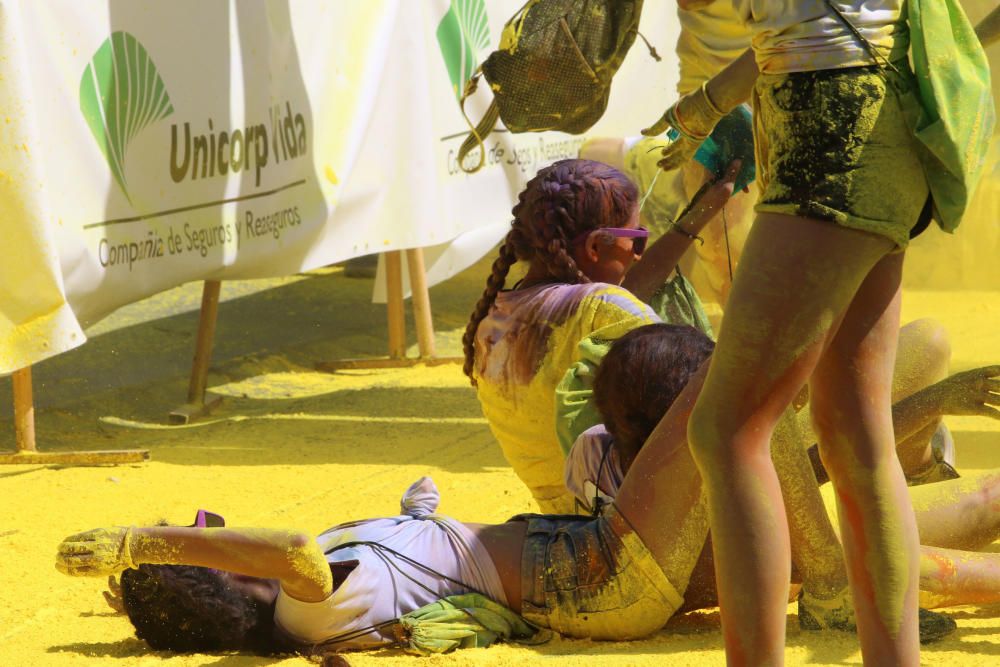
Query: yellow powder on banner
point(331, 175)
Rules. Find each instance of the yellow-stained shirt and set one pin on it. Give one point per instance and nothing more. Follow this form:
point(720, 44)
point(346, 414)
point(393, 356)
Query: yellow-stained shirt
point(711, 37)
point(523, 348)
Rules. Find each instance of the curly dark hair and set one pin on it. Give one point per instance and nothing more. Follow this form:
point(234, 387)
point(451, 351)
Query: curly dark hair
point(641, 376)
point(190, 609)
point(562, 201)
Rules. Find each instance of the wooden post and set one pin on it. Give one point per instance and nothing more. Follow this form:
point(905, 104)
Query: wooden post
point(421, 302)
point(24, 411)
point(206, 338)
point(196, 405)
point(24, 435)
point(396, 319)
point(395, 314)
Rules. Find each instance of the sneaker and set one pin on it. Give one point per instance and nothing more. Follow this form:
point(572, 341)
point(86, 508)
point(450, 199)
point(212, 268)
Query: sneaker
point(935, 625)
point(943, 445)
point(838, 614)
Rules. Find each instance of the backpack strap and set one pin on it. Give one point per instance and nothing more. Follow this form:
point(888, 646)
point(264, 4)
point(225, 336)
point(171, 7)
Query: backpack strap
point(879, 59)
point(478, 133)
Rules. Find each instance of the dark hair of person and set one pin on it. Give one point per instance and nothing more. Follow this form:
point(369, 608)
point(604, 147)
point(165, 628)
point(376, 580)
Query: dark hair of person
point(561, 202)
point(190, 609)
point(641, 376)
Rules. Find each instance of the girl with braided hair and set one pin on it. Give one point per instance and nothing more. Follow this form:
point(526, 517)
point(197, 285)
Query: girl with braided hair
point(576, 225)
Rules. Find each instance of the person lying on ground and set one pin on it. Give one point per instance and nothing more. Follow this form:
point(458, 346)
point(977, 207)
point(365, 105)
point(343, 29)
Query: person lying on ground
point(266, 590)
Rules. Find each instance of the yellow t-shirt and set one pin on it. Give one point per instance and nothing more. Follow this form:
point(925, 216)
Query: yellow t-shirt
point(523, 349)
point(711, 37)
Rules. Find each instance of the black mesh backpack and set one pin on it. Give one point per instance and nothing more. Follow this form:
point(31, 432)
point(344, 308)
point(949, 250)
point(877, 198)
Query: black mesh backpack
point(553, 68)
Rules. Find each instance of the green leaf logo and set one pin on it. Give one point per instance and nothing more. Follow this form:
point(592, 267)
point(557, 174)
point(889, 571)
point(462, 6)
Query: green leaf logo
point(462, 34)
point(120, 94)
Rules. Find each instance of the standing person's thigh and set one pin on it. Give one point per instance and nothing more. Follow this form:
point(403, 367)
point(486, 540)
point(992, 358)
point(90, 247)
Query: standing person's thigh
point(795, 281)
point(851, 387)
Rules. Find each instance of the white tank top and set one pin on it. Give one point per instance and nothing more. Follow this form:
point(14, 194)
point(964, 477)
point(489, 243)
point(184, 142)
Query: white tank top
point(805, 35)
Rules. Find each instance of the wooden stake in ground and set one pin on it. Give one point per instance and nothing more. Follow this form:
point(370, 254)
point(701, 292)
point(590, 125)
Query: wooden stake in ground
point(421, 302)
point(196, 405)
point(24, 435)
point(396, 321)
point(395, 315)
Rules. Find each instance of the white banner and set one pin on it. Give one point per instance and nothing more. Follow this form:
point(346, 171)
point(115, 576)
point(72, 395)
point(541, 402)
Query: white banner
point(147, 144)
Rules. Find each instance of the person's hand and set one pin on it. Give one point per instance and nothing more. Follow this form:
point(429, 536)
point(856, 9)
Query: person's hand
point(693, 116)
point(96, 553)
point(113, 596)
point(974, 392)
point(712, 196)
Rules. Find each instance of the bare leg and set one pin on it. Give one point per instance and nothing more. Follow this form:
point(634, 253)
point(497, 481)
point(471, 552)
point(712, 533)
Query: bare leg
point(851, 407)
point(787, 301)
point(949, 577)
point(815, 548)
point(960, 513)
point(922, 358)
point(661, 495)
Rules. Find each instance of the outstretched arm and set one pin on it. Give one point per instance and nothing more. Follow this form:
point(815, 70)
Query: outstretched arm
point(648, 275)
point(291, 557)
point(694, 115)
point(973, 392)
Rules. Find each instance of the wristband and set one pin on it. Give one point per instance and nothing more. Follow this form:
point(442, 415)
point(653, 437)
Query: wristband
point(673, 115)
point(126, 556)
point(680, 230)
point(708, 100)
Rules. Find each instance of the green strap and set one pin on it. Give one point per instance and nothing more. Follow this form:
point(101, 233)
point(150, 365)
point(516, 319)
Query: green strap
point(470, 620)
point(478, 132)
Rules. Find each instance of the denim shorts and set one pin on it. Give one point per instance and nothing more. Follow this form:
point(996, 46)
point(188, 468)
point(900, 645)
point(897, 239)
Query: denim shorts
point(587, 577)
point(837, 145)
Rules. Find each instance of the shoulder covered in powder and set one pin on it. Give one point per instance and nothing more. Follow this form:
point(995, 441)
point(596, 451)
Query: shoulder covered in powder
point(612, 303)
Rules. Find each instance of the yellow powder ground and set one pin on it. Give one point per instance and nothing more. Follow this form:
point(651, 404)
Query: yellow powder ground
point(293, 447)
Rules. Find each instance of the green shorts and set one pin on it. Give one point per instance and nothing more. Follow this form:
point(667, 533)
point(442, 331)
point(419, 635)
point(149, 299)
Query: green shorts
point(587, 577)
point(836, 145)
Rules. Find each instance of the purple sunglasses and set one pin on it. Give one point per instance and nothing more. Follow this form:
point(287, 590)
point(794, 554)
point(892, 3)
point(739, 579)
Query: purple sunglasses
point(639, 236)
point(206, 519)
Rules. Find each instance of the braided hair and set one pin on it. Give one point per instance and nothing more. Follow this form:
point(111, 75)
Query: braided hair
point(563, 201)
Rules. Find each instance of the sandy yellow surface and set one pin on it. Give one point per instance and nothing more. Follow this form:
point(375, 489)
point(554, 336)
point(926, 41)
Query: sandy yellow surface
point(293, 447)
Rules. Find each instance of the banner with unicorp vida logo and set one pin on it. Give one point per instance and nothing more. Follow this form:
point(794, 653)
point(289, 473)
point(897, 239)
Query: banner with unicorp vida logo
point(147, 144)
